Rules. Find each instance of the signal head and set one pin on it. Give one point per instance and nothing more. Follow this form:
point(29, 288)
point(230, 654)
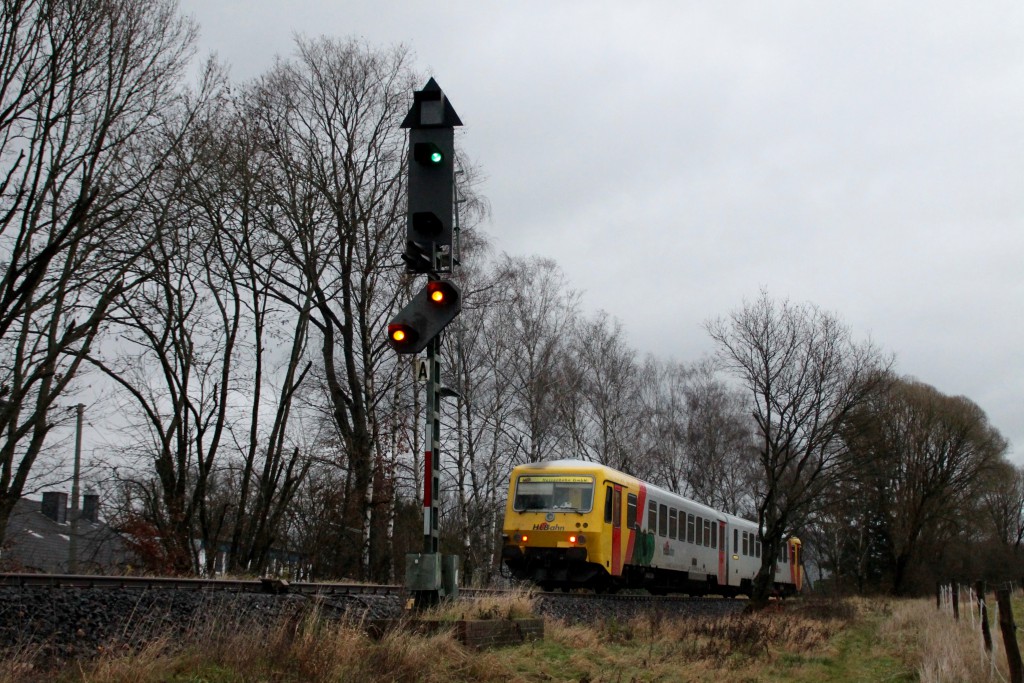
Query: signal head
point(424, 317)
point(431, 187)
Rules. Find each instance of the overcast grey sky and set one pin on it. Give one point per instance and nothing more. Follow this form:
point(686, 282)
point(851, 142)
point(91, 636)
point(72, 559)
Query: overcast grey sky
point(677, 157)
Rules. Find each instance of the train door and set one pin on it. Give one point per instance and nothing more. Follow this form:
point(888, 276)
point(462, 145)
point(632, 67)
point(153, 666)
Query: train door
point(723, 555)
point(613, 527)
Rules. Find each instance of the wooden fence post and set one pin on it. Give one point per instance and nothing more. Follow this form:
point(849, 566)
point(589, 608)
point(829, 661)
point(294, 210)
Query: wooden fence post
point(956, 601)
point(1009, 630)
point(938, 595)
point(986, 632)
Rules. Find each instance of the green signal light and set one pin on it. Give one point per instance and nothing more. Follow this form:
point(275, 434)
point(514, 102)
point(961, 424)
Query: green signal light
point(428, 154)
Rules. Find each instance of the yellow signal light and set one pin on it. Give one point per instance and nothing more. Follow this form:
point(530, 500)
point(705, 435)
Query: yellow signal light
point(442, 293)
point(402, 336)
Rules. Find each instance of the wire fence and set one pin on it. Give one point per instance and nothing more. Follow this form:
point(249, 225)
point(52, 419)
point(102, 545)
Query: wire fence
point(955, 599)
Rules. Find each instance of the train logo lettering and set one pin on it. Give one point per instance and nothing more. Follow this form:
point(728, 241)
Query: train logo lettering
point(544, 526)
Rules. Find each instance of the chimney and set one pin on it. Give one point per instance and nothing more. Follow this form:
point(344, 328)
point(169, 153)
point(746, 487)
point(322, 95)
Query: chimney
point(55, 506)
point(91, 507)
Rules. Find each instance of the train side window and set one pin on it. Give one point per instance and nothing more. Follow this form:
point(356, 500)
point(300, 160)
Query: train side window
point(714, 534)
point(707, 532)
point(617, 508)
point(699, 540)
point(652, 516)
point(689, 528)
point(631, 511)
point(757, 548)
point(673, 523)
point(736, 541)
point(608, 505)
point(663, 520)
point(746, 545)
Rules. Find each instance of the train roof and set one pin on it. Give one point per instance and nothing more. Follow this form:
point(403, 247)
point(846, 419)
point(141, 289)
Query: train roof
point(584, 464)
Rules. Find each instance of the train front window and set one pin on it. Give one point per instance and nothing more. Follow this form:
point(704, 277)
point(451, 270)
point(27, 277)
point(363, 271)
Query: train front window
point(558, 492)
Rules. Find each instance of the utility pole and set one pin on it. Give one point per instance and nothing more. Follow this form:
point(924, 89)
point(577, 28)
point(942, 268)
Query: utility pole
point(73, 543)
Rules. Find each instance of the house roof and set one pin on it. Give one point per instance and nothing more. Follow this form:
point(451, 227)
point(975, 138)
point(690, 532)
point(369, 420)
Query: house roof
point(36, 543)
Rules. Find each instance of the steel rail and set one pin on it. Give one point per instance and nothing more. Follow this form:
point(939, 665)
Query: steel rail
point(280, 587)
point(189, 584)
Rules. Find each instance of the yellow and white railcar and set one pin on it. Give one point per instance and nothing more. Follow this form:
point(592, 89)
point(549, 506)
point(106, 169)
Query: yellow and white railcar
point(573, 524)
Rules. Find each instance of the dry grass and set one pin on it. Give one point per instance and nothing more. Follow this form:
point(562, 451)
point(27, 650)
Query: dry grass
point(518, 604)
point(311, 649)
point(807, 641)
point(944, 650)
point(18, 664)
point(654, 648)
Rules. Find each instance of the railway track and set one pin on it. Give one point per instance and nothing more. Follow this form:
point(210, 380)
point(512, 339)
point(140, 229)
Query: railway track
point(82, 614)
point(280, 587)
point(273, 586)
point(573, 606)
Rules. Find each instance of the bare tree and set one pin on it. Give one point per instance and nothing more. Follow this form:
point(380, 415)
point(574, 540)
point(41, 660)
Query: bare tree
point(930, 457)
point(600, 398)
point(85, 86)
point(328, 121)
point(475, 474)
point(175, 364)
point(1003, 503)
point(215, 397)
point(698, 434)
point(846, 535)
point(534, 322)
point(224, 189)
point(804, 376)
point(719, 443)
point(664, 390)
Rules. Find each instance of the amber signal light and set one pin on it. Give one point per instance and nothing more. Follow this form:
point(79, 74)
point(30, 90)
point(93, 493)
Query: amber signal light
point(441, 292)
point(401, 335)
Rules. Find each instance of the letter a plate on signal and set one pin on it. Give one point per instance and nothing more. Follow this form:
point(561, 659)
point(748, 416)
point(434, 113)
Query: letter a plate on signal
point(421, 368)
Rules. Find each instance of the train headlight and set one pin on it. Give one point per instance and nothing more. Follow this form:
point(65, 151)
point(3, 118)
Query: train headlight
point(574, 539)
point(524, 538)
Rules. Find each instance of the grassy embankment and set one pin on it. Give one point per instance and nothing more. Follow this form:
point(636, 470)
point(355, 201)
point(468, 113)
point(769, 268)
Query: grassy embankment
point(805, 641)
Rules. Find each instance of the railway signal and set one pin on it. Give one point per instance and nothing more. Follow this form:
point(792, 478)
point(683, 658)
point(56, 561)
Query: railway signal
point(431, 186)
point(428, 249)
